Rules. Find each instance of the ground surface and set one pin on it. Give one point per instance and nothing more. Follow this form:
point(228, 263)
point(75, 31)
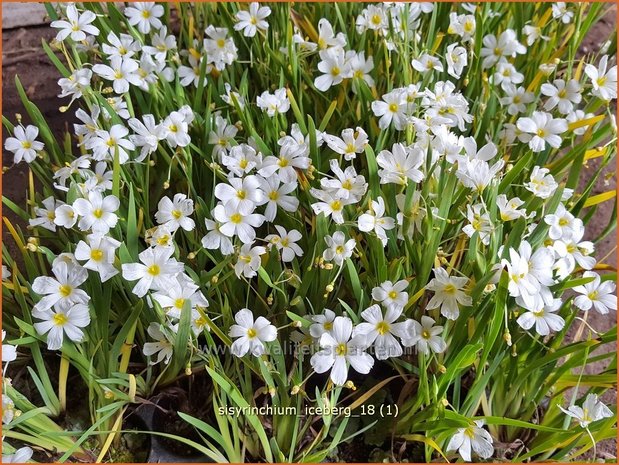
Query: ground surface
point(23, 56)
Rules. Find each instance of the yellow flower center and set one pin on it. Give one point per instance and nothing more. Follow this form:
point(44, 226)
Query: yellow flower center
point(336, 205)
point(328, 326)
point(221, 43)
point(335, 71)
point(178, 303)
point(382, 328)
point(98, 213)
point(593, 295)
point(450, 289)
point(176, 214)
point(563, 222)
point(251, 333)
point(541, 132)
point(283, 162)
point(60, 319)
point(243, 163)
point(341, 349)
point(425, 334)
point(26, 144)
point(65, 290)
point(153, 270)
point(273, 195)
point(339, 249)
point(236, 218)
point(392, 294)
point(96, 255)
point(173, 128)
point(241, 194)
point(145, 14)
point(163, 240)
point(376, 20)
point(393, 108)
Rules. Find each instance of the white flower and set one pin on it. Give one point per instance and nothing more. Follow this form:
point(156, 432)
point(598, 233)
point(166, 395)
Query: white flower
point(159, 236)
point(176, 129)
point(479, 222)
point(381, 330)
point(545, 319)
point(560, 11)
point(529, 275)
point(573, 251)
point(175, 213)
point(144, 15)
point(124, 46)
point(105, 144)
point(276, 195)
point(562, 223)
point(327, 38)
point(65, 216)
point(391, 295)
point(604, 81)
point(9, 352)
point(351, 143)
point(373, 220)
point(400, 165)
point(6, 274)
point(456, 60)
point(173, 299)
point(542, 183)
point(45, 216)
point(248, 261)
point(516, 99)
point(274, 104)
point(24, 144)
point(238, 221)
point(157, 270)
point(215, 239)
point(74, 85)
point(415, 213)
point(533, 33)
point(510, 209)
point(21, 455)
point(60, 321)
point(339, 350)
point(97, 212)
point(506, 75)
point(240, 160)
point(162, 43)
point(286, 243)
point(163, 347)
point(147, 135)
point(330, 205)
point(425, 336)
point(544, 130)
point(391, 109)
point(562, 95)
point(77, 25)
point(284, 165)
point(360, 69)
point(221, 135)
point(62, 290)
point(253, 20)
point(230, 97)
point(251, 335)
point(495, 50)
point(347, 184)
point(122, 72)
point(99, 254)
point(462, 25)
point(475, 437)
point(339, 249)
point(448, 294)
point(322, 324)
point(592, 410)
point(427, 63)
point(334, 67)
point(477, 174)
point(8, 413)
point(596, 294)
point(220, 49)
point(241, 193)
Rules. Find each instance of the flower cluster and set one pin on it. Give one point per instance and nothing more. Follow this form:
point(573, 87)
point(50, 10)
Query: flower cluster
point(400, 193)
